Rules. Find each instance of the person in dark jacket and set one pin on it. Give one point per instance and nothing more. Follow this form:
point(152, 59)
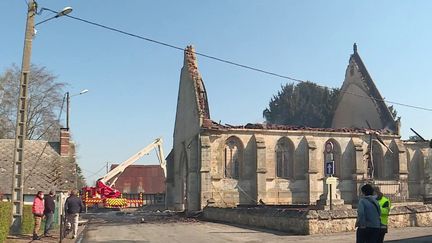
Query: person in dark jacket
point(368, 217)
point(73, 207)
point(49, 212)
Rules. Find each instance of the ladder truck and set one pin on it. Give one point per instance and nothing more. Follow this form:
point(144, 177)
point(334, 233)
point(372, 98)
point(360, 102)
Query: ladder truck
point(104, 193)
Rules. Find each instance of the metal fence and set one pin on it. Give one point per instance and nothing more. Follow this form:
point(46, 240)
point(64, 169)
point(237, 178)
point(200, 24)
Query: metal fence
point(393, 191)
point(149, 199)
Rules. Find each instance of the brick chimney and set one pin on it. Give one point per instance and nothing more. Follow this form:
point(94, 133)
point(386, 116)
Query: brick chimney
point(64, 142)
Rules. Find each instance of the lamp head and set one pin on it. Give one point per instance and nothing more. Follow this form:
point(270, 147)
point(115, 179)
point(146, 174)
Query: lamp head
point(84, 91)
point(65, 11)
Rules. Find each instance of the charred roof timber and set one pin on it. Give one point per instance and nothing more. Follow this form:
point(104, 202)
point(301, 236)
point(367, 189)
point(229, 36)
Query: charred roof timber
point(212, 125)
point(419, 136)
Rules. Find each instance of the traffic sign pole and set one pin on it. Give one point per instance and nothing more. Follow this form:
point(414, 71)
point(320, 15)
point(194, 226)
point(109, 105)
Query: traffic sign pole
point(331, 197)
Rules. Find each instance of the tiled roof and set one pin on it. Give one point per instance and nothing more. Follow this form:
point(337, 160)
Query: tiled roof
point(42, 171)
point(141, 178)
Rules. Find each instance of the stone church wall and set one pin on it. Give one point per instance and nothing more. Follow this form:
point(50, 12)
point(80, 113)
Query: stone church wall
point(309, 221)
point(258, 180)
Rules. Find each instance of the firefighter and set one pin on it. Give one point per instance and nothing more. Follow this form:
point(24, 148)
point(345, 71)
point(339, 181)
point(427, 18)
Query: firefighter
point(385, 206)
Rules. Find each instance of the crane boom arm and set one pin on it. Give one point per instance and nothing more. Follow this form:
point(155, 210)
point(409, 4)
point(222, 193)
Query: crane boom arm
point(162, 160)
point(111, 177)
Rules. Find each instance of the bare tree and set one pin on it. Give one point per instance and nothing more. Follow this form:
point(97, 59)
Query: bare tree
point(45, 102)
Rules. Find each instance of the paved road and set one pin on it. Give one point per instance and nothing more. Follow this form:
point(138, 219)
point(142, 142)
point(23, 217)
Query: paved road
point(129, 229)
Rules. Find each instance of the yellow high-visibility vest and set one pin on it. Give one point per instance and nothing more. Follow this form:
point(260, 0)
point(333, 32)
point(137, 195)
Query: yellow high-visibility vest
point(385, 209)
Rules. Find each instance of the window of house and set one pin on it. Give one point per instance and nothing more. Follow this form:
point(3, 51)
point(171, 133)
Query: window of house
point(233, 158)
point(284, 158)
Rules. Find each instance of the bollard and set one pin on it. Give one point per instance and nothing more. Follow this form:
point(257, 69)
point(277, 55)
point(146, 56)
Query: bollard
point(86, 199)
point(61, 228)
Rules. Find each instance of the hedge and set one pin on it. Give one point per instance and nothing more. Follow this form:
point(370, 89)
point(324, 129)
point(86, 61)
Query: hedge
point(5, 219)
point(28, 220)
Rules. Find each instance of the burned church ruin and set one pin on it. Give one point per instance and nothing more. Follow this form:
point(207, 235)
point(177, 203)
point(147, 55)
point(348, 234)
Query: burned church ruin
point(225, 166)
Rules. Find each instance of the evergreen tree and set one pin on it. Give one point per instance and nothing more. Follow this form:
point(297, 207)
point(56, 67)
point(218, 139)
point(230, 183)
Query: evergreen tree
point(304, 104)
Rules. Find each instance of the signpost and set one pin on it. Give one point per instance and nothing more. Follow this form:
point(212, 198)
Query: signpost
point(329, 169)
point(330, 173)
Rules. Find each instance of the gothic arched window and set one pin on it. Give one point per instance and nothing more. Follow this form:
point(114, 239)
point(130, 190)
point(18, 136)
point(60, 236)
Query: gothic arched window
point(332, 152)
point(233, 157)
point(378, 161)
point(284, 158)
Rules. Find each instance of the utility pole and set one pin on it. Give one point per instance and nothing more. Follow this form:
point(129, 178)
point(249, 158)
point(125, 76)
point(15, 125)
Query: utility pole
point(21, 124)
point(67, 110)
point(76, 175)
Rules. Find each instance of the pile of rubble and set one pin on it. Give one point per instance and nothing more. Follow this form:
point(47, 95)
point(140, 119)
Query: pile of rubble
point(166, 216)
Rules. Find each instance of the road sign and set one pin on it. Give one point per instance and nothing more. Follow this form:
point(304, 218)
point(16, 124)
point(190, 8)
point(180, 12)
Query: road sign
point(329, 147)
point(329, 167)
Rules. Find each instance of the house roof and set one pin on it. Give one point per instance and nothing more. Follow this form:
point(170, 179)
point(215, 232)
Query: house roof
point(44, 168)
point(149, 179)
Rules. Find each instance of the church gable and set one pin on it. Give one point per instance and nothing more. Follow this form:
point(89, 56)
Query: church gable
point(192, 105)
point(191, 67)
point(354, 108)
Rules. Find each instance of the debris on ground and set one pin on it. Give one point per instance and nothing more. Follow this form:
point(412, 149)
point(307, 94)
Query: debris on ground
point(143, 216)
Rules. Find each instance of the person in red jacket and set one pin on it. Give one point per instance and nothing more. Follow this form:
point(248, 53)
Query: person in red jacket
point(38, 213)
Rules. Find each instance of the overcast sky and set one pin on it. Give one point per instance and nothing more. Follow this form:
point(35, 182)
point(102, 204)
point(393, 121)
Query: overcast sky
point(133, 83)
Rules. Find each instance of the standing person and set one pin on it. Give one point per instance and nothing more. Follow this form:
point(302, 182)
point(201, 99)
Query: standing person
point(49, 212)
point(38, 213)
point(385, 206)
point(368, 217)
point(73, 207)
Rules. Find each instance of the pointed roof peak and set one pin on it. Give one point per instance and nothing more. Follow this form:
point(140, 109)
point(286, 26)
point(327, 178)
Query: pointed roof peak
point(190, 56)
point(365, 80)
point(190, 61)
point(355, 48)
point(190, 65)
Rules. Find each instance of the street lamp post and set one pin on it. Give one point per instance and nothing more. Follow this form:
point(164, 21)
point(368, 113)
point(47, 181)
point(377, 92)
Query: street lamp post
point(21, 123)
point(76, 175)
point(68, 96)
point(68, 104)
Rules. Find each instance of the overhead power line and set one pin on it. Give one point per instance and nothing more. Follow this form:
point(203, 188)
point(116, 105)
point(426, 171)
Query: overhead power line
point(231, 62)
point(94, 173)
